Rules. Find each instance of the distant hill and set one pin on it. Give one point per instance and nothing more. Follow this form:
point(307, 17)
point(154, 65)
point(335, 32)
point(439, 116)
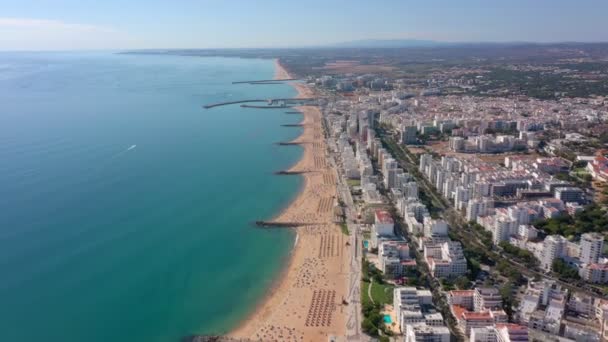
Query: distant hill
point(388, 43)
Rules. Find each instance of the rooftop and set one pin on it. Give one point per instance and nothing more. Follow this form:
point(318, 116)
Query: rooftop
point(462, 292)
point(383, 216)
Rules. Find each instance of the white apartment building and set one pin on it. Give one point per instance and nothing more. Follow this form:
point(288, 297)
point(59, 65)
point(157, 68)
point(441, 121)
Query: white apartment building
point(468, 320)
point(461, 197)
point(390, 255)
point(594, 273)
point(500, 332)
point(553, 248)
point(486, 298)
point(407, 302)
point(504, 228)
point(462, 298)
point(403, 296)
point(383, 223)
point(592, 246)
point(410, 190)
point(446, 259)
point(478, 207)
point(383, 227)
point(483, 334)
point(435, 227)
point(425, 333)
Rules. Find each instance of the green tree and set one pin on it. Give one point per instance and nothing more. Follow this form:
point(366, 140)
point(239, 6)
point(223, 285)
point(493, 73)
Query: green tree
point(564, 270)
point(508, 301)
point(369, 327)
point(462, 283)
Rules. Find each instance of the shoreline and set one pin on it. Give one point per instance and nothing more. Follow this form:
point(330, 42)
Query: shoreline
point(283, 314)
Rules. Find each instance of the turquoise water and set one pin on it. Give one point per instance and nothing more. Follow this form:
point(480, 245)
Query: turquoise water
point(125, 208)
point(387, 319)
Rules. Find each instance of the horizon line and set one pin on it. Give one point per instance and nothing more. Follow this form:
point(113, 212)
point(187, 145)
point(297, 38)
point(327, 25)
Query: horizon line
point(337, 45)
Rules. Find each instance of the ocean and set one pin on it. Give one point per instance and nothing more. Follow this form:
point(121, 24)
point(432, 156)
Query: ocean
point(126, 209)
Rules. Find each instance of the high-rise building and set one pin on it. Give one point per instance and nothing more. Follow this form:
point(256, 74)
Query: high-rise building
point(478, 207)
point(448, 188)
point(383, 227)
point(370, 138)
point(425, 161)
point(461, 197)
point(410, 190)
point(441, 175)
point(370, 119)
point(504, 228)
point(388, 164)
point(390, 178)
point(457, 144)
point(553, 248)
point(408, 135)
point(595, 273)
point(592, 245)
point(435, 228)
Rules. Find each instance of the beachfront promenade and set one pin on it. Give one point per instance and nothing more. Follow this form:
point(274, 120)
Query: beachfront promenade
point(353, 315)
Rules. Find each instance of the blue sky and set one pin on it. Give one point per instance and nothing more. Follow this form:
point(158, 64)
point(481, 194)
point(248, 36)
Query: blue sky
point(119, 24)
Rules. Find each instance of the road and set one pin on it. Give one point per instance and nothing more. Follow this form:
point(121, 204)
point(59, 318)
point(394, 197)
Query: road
point(354, 315)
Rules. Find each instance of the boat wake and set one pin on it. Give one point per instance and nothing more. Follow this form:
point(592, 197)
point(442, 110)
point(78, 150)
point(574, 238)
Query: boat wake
point(132, 147)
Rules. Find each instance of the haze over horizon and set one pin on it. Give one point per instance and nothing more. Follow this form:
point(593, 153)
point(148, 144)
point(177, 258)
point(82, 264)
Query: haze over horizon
point(113, 24)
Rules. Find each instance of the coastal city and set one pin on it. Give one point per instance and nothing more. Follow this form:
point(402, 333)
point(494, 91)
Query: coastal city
point(457, 207)
point(317, 171)
point(446, 205)
point(444, 199)
point(462, 197)
point(481, 218)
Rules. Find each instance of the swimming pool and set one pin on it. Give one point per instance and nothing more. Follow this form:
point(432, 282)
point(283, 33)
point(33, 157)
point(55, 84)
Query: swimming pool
point(387, 319)
point(365, 244)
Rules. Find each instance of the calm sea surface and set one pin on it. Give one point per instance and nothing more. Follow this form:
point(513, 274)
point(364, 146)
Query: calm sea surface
point(125, 208)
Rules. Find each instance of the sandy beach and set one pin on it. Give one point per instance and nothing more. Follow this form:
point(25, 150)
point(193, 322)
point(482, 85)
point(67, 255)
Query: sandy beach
point(306, 302)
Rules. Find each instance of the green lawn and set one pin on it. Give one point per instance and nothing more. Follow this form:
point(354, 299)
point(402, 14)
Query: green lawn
point(364, 297)
point(353, 182)
point(381, 293)
point(344, 228)
point(581, 173)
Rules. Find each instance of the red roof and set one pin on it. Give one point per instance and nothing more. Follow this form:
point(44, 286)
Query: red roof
point(383, 216)
point(599, 267)
point(511, 326)
point(470, 315)
point(458, 310)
